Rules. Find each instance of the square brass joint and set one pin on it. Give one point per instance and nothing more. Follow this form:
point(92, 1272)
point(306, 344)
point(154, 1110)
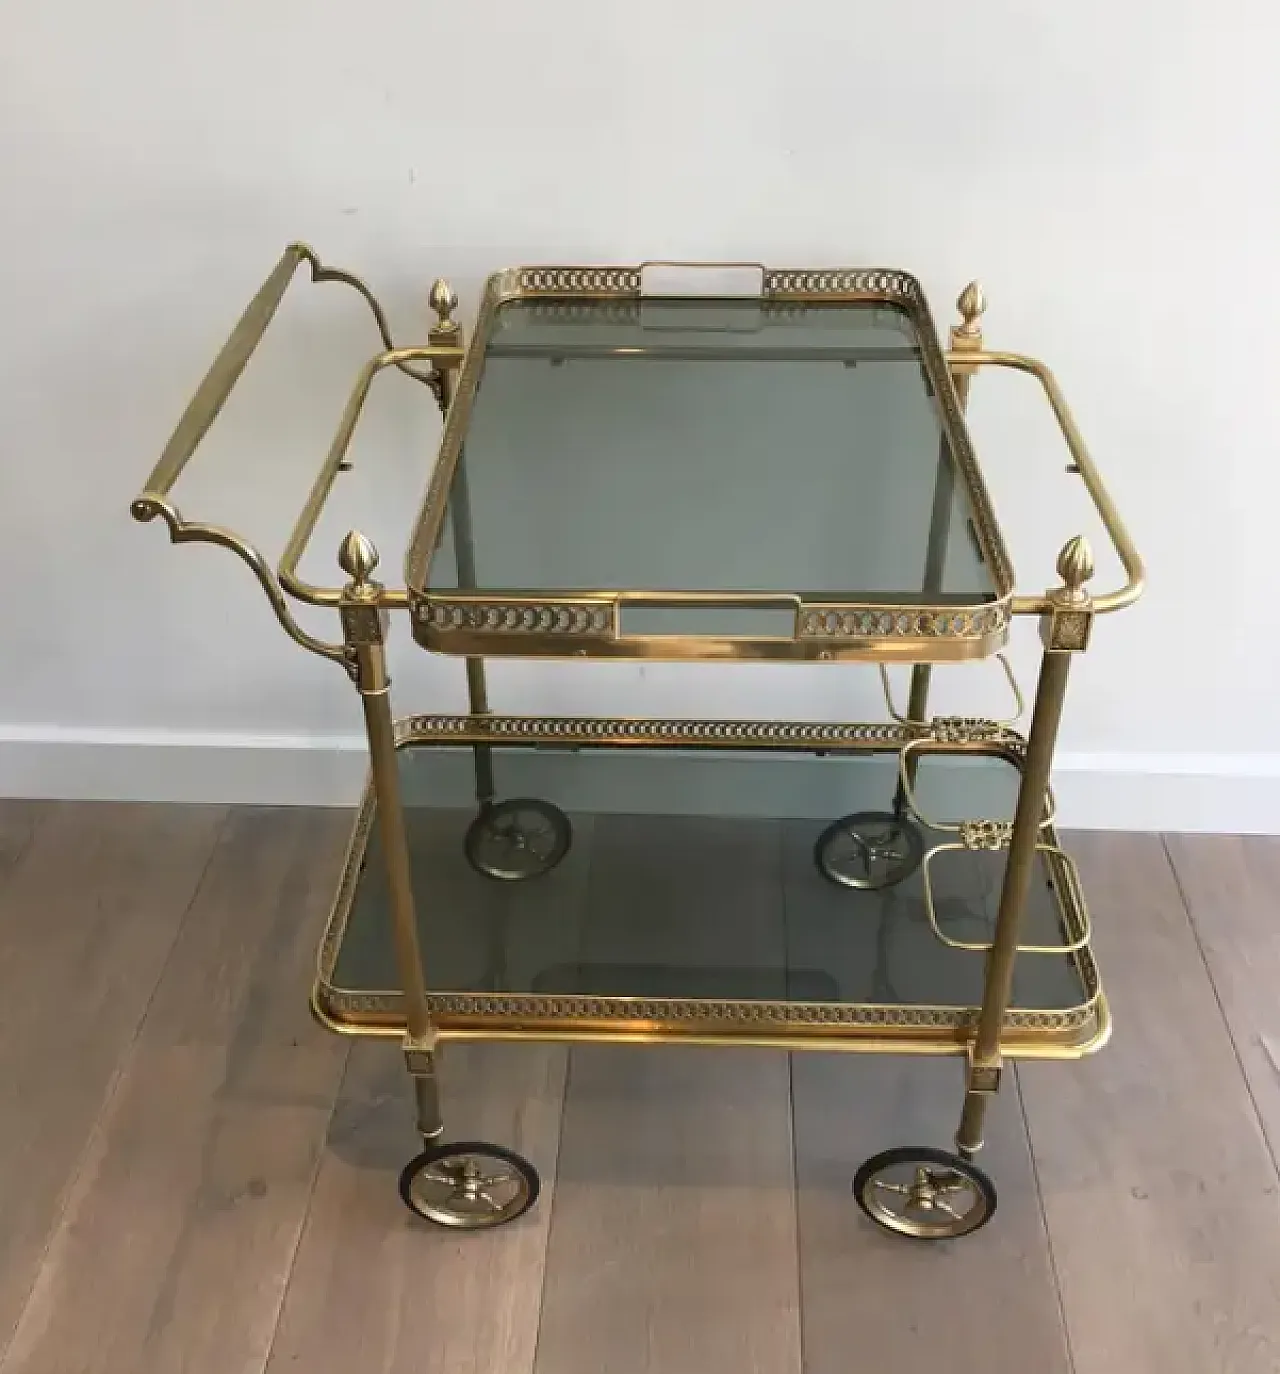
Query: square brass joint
point(420, 1055)
point(363, 624)
point(1066, 629)
point(984, 1078)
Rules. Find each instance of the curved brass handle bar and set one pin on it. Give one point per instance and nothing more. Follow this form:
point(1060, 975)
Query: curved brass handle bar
point(1019, 701)
point(441, 355)
point(212, 394)
point(148, 506)
point(319, 273)
point(1120, 538)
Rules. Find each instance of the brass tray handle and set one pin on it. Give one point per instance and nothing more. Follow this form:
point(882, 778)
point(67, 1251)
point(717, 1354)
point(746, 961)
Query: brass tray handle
point(694, 267)
point(961, 361)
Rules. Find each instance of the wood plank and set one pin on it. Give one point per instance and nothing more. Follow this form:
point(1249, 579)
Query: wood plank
point(1162, 1201)
point(177, 1239)
point(378, 1291)
point(1230, 884)
point(673, 1241)
point(986, 1301)
point(89, 911)
point(18, 821)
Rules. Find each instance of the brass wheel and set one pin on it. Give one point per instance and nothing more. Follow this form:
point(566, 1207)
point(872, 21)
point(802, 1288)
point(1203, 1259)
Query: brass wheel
point(923, 1193)
point(469, 1186)
point(517, 839)
point(868, 850)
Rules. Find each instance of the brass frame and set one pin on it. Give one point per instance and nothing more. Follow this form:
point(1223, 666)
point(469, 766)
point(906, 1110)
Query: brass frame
point(585, 623)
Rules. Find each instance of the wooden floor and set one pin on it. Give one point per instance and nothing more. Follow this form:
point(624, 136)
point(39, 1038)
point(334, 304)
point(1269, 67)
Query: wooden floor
point(195, 1180)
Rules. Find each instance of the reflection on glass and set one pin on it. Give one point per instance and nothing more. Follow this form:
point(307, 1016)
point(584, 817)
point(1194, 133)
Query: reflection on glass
point(709, 446)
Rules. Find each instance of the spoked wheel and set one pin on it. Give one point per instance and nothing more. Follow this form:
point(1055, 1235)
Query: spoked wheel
point(923, 1193)
point(868, 850)
point(517, 839)
point(469, 1186)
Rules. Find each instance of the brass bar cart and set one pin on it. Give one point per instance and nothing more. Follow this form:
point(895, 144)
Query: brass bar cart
point(716, 463)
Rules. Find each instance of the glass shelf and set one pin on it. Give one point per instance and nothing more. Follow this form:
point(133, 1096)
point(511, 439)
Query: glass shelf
point(693, 477)
point(722, 449)
point(691, 877)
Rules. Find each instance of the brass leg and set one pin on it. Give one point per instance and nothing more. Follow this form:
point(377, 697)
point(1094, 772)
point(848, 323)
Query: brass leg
point(985, 1059)
point(972, 1118)
point(386, 786)
point(464, 551)
point(447, 331)
point(478, 699)
point(936, 548)
point(1064, 630)
point(427, 1095)
point(364, 630)
point(917, 705)
point(944, 486)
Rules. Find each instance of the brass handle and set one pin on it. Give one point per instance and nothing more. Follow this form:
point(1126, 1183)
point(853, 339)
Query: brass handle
point(706, 265)
point(220, 380)
point(1120, 538)
point(1068, 874)
point(210, 397)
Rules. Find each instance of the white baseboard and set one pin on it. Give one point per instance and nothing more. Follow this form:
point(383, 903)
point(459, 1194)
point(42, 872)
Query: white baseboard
point(172, 766)
point(1230, 793)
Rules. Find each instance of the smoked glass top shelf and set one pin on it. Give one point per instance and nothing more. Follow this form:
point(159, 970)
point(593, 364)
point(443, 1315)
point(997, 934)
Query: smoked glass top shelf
point(783, 475)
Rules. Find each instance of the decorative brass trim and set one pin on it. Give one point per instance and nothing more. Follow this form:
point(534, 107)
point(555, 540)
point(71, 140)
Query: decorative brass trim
point(447, 621)
point(582, 618)
point(844, 620)
point(663, 1015)
point(1065, 1033)
point(571, 281)
point(985, 834)
point(801, 736)
point(851, 283)
point(503, 642)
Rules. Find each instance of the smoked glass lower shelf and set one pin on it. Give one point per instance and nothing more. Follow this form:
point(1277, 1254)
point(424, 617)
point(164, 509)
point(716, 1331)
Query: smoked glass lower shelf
point(689, 905)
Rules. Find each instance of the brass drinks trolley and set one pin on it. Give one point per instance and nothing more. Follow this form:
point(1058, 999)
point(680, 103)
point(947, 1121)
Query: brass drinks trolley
point(742, 464)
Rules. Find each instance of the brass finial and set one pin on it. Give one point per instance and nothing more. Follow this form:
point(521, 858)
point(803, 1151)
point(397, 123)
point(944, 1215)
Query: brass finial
point(444, 302)
point(971, 304)
point(1075, 567)
point(357, 558)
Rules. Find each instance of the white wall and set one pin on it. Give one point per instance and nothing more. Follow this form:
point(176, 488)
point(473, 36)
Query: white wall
point(1108, 170)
